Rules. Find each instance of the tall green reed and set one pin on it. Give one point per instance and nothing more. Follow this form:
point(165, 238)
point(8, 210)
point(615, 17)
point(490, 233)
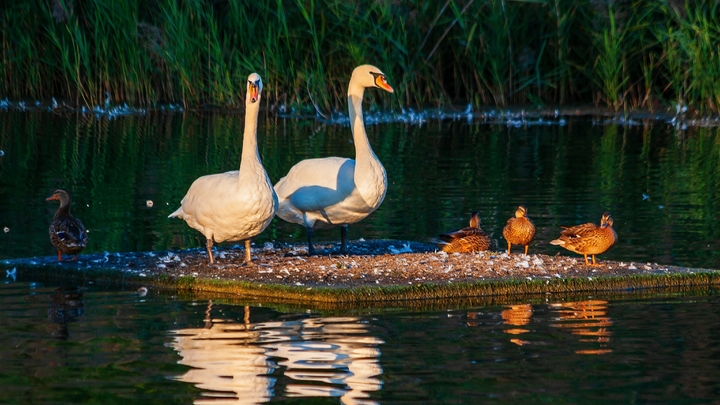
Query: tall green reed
point(623, 53)
point(610, 62)
point(562, 16)
point(700, 35)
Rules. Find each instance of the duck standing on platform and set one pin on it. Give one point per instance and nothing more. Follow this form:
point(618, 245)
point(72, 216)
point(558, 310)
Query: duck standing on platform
point(519, 230)
point(67, 233)
point(470, 239)
point(588, 239)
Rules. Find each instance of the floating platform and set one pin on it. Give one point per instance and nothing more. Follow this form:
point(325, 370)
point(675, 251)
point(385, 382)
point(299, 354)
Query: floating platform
point(374, 271)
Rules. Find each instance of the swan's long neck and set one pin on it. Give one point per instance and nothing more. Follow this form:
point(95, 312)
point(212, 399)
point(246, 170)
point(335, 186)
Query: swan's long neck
point(365, 160)
point(370, 177)
point(250, 160)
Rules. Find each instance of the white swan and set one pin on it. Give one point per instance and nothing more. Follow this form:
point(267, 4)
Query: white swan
point(326, 192)
point(235, 205)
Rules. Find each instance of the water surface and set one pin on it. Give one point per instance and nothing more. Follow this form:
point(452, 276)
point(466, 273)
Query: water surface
point(89, 345)
point(659, 183)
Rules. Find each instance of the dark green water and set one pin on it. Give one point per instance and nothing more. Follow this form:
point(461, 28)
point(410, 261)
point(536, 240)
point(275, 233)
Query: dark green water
point(85, 345)
point(439, 172)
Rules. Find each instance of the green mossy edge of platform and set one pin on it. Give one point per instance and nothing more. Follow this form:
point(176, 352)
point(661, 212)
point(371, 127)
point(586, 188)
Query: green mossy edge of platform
point(383, 293)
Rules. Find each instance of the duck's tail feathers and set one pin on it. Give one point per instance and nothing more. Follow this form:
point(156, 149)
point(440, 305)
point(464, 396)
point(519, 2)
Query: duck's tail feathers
point(441, 244)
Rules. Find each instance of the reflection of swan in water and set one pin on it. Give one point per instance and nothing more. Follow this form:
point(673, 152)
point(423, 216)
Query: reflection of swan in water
point(517, 315)
point(585, 318)
point(226, 361)
point(335, 351)
point(320, 357)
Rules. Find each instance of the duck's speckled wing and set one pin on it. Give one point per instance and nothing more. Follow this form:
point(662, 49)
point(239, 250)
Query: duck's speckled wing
point(464, 240)
point(68, 234)
point(587, 239)
point(579, 231)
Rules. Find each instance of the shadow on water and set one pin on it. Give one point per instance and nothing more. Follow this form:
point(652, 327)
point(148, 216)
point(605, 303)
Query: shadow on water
point(658, 182)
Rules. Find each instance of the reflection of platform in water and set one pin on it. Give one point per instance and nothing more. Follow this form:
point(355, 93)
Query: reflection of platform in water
point(588, 319)
point(325, 357)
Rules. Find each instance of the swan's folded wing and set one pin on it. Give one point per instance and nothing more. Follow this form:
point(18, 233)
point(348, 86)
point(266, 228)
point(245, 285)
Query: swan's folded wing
point(314, 184)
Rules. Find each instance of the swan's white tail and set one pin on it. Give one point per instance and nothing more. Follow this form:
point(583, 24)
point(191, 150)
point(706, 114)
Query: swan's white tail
point(177, 214)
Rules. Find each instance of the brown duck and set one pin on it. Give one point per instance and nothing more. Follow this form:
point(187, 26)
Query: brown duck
point(588, 239)
point(519, 230)
point(66, 232)
point(470, 239)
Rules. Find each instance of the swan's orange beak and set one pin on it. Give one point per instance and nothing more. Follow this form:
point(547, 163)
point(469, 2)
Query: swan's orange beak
point(253, 88)
point(381, 82)
point(52, 198)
